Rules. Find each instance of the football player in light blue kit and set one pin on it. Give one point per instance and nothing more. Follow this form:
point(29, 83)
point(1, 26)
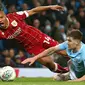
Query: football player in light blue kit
point(75, 49)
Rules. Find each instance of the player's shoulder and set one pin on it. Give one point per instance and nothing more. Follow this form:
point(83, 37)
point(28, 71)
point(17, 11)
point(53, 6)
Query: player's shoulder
point(10, 14)
point(64, 43)
point(17, 13)
point(82, 47)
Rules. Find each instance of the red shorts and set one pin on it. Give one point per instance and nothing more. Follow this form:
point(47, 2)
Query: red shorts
point(44, 43)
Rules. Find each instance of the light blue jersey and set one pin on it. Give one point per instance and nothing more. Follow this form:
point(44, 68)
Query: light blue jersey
point(78, 58)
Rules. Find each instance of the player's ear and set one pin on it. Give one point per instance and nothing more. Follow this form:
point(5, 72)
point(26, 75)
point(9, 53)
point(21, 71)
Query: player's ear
point(77, 42)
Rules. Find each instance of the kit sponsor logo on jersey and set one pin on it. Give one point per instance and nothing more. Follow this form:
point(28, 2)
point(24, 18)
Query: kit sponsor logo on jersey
point(16, 33)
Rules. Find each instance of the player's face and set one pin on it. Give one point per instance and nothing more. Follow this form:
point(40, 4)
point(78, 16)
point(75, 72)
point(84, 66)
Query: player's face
point(72, 43)
point(3, 20)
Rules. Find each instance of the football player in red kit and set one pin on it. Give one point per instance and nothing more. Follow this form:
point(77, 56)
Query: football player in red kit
point(34, 41)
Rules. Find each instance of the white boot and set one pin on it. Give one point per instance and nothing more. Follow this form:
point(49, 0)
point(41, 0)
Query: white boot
point(61, 76)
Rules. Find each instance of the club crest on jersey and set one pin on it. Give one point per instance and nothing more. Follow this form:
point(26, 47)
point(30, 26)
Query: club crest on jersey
point(14, 23)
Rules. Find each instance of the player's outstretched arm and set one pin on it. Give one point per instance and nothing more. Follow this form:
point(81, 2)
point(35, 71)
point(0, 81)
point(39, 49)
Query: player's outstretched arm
point(45, 53)
point(44, 8)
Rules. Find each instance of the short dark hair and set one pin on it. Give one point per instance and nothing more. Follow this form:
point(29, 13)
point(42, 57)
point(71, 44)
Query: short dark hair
point(76, 34)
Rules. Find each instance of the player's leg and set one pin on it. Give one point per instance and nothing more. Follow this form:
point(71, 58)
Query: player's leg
point(49, 63)
point(45, 43)
point(66, 76)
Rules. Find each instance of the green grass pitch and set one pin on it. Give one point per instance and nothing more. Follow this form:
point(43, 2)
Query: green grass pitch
point(39, 81)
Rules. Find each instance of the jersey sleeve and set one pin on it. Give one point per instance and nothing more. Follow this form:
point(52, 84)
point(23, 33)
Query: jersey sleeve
point(82, 52)
point(63, 46)
point(83, 57)
point(21, 15)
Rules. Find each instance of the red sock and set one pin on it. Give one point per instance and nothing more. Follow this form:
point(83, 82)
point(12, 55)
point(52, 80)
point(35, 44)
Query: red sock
point(61, 69)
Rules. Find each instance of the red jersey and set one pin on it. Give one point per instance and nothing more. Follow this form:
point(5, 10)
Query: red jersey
point(18, 29)
point(25, 34)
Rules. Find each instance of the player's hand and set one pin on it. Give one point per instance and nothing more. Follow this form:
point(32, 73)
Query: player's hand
point(57, 7)
point(29, 60)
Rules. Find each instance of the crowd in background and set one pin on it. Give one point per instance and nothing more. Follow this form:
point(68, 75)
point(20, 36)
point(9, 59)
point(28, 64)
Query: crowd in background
point(53, 23)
